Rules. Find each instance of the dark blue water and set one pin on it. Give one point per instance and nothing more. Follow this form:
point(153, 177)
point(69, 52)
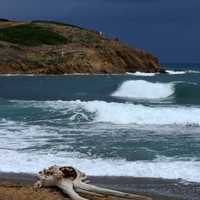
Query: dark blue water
point(95, 87)
point(148, 125)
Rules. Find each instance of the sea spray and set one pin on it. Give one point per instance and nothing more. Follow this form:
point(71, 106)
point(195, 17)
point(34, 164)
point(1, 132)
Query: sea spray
point(140, 89)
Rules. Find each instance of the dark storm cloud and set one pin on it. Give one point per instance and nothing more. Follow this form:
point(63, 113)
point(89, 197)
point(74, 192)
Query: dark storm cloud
point(170, 29)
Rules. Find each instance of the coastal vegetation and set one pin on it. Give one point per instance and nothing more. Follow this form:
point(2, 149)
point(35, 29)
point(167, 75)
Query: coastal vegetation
point(31, 35)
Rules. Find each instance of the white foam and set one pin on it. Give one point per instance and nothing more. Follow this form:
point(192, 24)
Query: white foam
point(15, 158)
point(138, 114)
point(124, 113)
point(12, 161)
point(140, 89)
point(172, 72)
point(13, 133)
point(141, 74)
point(175, 72)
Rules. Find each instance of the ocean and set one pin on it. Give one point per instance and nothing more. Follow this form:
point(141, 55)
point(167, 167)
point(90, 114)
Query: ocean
point(141, 125)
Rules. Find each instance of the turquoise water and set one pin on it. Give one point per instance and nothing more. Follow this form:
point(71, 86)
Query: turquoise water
point(130, 125)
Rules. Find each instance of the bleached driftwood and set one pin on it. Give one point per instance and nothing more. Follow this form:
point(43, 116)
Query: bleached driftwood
point(72, 181)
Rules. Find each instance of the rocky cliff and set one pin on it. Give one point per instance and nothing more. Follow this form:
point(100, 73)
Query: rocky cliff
point(45, 47)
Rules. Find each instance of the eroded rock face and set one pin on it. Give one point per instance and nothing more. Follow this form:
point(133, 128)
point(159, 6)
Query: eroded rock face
point(62, 48)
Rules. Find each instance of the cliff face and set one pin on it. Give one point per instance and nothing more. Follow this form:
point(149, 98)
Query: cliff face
point(42, 47)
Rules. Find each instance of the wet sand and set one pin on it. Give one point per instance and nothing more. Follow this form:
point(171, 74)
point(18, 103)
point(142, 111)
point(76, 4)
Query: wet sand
point(20, 187)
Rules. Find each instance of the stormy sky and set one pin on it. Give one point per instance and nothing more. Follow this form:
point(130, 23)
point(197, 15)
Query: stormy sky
point(168, 28)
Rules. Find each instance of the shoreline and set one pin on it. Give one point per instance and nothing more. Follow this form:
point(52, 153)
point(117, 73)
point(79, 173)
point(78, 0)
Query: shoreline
point(158, 189)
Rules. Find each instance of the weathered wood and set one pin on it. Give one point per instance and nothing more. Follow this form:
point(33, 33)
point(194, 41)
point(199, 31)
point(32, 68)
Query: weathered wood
point(71, 181)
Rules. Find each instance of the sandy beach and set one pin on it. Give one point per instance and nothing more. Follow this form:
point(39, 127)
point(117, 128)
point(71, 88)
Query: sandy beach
point(20, 187)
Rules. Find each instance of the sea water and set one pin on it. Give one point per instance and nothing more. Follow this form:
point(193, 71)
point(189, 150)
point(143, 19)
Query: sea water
point(142, 125)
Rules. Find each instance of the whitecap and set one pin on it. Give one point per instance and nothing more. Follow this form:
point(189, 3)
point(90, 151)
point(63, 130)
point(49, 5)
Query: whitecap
point(122, 113)
point(141, 89)
point(175, 72)
point(141, 74)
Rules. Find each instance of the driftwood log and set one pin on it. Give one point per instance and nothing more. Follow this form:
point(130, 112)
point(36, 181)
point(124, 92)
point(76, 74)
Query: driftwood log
point(73, 183)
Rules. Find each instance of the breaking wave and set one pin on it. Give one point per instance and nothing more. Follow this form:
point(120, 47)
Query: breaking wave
point(120, 113)
point(140, 89)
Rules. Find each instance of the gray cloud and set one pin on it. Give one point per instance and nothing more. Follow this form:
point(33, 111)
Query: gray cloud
point(170, 29)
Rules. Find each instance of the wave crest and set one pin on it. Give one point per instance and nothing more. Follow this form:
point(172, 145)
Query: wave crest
point(140, 89)
point(120, 113)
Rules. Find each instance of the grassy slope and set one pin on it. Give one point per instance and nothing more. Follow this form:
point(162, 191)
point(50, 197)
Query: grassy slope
point(37, 33)
point(31, 35)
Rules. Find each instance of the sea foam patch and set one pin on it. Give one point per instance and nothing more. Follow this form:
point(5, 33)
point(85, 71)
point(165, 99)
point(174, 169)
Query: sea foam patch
point(169, 72)
point(140, 89)
point(172, 72)
point(12, 161)
point(141, 74)
point(179, 72)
